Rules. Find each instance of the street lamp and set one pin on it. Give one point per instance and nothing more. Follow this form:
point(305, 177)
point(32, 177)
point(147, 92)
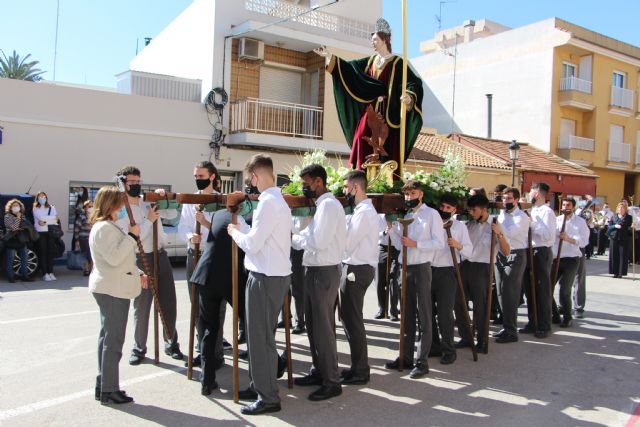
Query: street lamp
point(513, 155)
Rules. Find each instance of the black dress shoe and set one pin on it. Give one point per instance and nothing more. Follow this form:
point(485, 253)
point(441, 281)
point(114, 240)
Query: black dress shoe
point(566, 322)
point(555, 319)
point(351, 378)
point(379, 315)
point(136, 358)
point(527, 330)
point(394, 318)
point(226, 344)
point(299, 329)
point(308, 380)
point(326, 392)
point(259, 407)
point(99, 392)
point(116, 397)
point(281, 324)
point(247, 394)
point(244, 355)
point(462, 344)
point(541, 334)
point(396, 364)
point(420, 370)
point(242, 337)
point(448, 358)
point(282, 365)
point(435, 352)
point(580, 314)
point(175, 353)
point(500, 333)
point(506, 338)
point(206, 390)
point(197, 361)
point(497, 321)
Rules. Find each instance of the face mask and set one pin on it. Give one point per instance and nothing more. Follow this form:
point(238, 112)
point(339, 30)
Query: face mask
point(251, 189)
point(351, 199)
point(122, 213)
point(89, 211)
point(42, 200)
point(509, 206)
point(410, 204)
point(134, 190)
point(202, 183)
point(444, 215)
point(498, 198)
point(15, 210)
point(308, 193)
point(533, 200)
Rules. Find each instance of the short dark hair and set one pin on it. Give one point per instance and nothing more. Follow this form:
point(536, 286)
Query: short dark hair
point(540, 186)
point(478, 200)
point(357, 177)
point(512, 190)
point(570, 200)
point(128, 170)
point(315, 171)
point(412, 185)
point(206, 164)
point(449, 199)
point(259, 161)
point(499, 188)
point(479, 190)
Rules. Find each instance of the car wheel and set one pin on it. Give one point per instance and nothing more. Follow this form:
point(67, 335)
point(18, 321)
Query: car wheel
point(32, 263)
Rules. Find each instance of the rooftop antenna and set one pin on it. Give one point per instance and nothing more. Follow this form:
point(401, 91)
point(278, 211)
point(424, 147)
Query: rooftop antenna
point(55, 47)
point(439, 15)
point(32, 182)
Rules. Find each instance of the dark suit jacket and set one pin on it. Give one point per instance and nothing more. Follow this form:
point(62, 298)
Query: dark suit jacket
point(624, 233)
point(214, 267)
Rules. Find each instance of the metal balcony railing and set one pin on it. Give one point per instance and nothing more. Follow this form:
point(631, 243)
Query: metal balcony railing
point(619, 152)
point(574, 83)
point(621, 97)
point(575, 142)
point(325, 21)
point(276, 117)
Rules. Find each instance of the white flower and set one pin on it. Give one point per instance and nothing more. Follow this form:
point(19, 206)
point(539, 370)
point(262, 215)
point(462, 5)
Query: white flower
point(447, 189)
point(351, 277)
point(434, 185)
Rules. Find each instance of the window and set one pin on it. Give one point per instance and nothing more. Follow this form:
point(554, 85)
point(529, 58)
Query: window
point(228, 182)
point(619, 79)
point(568, 70)
point(280, 84)
point(616, 134)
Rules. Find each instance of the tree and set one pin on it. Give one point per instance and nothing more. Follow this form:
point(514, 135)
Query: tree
point(18, 68)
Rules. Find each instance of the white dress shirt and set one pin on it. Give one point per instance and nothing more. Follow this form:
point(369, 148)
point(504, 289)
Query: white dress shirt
point(267, 244)
point(383, 236)
point(362, 235)
point(324, 239)
point(442, 257)
point(480, 236)
point(146, 227)
point(516, 226)
point(187, 224)
point(577, 229)
point(426, 230)
point(543, 226)
point(41, 214)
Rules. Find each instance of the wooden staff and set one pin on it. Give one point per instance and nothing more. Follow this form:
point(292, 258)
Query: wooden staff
point(492, 260)
point(532, 278)
point(287, 337)
point(462, 299)
point(156, 333)
point(387, 290)
point(403, 293)
point(556, 270)
point(234, 300)
point(403, 106)
point(194, 300)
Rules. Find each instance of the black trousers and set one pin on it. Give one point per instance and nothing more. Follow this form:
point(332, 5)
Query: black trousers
point(542, 260)
point(45, 252)
point(382, 285)
point(603, 240)
point(618, 257)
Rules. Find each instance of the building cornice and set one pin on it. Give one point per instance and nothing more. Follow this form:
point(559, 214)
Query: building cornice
point(604, 51)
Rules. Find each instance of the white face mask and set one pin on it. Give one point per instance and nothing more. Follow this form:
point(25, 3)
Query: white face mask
point(89, 211)
point(15, 209)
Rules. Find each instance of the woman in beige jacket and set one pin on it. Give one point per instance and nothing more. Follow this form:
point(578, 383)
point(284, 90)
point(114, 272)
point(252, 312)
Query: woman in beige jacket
point(114, 281)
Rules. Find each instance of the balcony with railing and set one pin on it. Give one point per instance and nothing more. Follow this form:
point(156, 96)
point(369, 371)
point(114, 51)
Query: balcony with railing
point(621, 97)
point(574, 83)
point(619, 152)
point(576, 93)
point(573, 142)
point(276, 117)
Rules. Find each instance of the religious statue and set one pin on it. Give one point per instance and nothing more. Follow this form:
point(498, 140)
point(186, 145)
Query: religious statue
point(368, 94)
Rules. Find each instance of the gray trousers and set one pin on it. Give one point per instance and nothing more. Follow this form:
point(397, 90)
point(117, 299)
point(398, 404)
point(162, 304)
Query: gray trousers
point(264, 297)
point(580, 285)
point(297, 285)
point(113, 326)
point(219, 350)
point(566, 275)
point(167, 299)
point(509, 271)
point(443, 297)
point(542, 260)
point(418, 309)
point(475, 281)
point(351, 304)
point(320, 293)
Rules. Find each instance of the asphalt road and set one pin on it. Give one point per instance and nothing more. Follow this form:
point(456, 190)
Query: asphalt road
point(585, 375)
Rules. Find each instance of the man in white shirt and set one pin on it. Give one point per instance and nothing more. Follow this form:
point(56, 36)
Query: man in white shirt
point(510, 268)
point(387, 287)
point(145, 216)
point(206, 176)
point(576, 233)
point(543, 230)
point(424, 238)
point(324, 242)
point(360, 261)
point(474, 268)
point(443, 281)
point(267, 245)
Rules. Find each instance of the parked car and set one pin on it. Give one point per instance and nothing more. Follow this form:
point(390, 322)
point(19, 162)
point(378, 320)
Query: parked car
point(176, 246)
point(27, 200)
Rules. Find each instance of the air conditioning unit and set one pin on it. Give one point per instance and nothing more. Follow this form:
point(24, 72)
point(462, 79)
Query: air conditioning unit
point(251, 49)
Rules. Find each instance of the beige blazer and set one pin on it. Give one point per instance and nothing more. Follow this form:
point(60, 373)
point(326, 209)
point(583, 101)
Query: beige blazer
point(114, 262)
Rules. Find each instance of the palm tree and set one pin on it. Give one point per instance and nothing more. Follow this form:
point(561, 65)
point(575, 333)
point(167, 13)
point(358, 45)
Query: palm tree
point(15, 67)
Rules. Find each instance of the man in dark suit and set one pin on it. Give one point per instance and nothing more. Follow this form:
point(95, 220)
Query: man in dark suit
point(213, 274)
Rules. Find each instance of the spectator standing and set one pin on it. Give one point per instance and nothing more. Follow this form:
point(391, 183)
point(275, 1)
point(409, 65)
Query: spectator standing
point(45, 214)
point(81, 230)
point(16, 222)
point(619, 235)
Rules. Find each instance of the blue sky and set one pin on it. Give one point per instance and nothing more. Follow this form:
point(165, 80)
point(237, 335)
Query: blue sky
point(97, 38)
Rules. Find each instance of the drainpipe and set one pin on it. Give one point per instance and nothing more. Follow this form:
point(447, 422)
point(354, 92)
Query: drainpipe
point(489, 114)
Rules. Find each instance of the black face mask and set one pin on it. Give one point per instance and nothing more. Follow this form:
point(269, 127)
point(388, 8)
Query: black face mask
point(509, 206)
point(134, 190)
point(308, 193)
point(410, 204)
point(498, 198)
point(202, 183)
point(444, 215)
point(251, 189)
point(351, 199)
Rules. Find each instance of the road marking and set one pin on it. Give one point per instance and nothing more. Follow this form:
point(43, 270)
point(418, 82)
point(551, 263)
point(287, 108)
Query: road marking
point(610, 356)
point(53, 316)
point(457, 411)
point(506, 397)
point(391, 397)
point(442, 383)
point(44, 404)
point(630, 342)
point(578, 335)
point(542, 343)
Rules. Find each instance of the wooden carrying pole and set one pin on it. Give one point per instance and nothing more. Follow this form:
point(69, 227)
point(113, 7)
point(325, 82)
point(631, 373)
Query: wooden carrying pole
point(556, 270)
point(287, 337)
point(194, 300)
point(532, 279)
point(387, 292)
point(403, 291)
point(234, 300)
point(492, 260)
point(462, 299)
point(403, 106)
point(156, 332)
